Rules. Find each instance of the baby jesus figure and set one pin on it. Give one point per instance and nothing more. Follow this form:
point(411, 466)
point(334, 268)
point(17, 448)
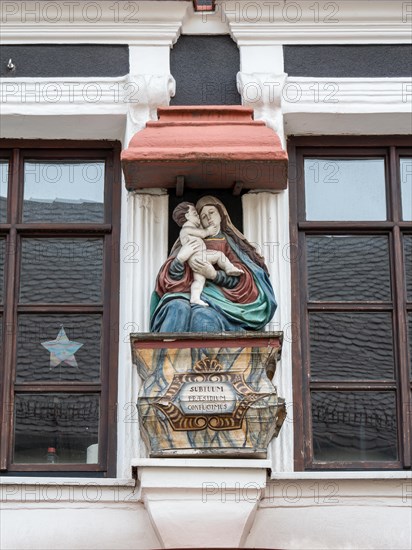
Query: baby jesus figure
point(186, 216)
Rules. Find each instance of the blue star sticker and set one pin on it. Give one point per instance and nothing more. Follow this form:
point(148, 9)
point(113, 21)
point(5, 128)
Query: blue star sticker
point(62, 350)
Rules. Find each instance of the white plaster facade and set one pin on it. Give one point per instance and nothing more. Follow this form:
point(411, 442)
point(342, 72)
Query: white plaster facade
point(204, 503)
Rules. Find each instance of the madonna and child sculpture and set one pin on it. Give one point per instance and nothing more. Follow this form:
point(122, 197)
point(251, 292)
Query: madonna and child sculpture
point(192, 233)
point(207, 365)
point(239, 293)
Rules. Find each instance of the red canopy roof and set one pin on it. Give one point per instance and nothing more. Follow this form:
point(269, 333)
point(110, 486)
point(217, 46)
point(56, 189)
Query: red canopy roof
point(210, 146)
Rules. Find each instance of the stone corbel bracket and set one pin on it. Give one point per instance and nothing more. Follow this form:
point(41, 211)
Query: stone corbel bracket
point(263, 92)
point(202, 503)
point(146, 93)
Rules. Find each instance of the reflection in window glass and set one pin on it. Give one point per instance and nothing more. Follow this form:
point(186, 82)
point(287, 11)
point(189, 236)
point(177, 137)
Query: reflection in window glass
point(61, 270)
point(2, 262)
point(348, 268)
point(407, 249)
point(63, 191)
point(1, 336)
point(56, 428)
point(354, 425)
point(58, 347)
point(351, 345)
point(4, 179)
point(406, 188)
point(341, 190)
point(410, 342)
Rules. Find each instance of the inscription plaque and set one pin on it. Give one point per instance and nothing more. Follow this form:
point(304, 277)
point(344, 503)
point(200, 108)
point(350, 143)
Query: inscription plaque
point(208, 397)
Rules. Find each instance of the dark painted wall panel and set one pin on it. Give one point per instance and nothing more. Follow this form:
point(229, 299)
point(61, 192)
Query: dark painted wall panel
point(59, 60)
point(349, 61)
point(205, 69)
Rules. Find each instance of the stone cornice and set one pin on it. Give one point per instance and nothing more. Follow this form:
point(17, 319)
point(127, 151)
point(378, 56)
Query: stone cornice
point(347, 95)
point(306, 22)
point(68, 95)
point(134, 23)
point(262, 22)
point(117, 95)
point(267, 35)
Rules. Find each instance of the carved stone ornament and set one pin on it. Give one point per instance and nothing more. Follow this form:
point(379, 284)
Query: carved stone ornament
point(146, 94)
point(263, 92)
point(208, 397)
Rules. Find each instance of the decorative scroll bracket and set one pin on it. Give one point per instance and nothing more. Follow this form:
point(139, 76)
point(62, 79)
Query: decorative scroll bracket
point(146, 93)
point(224, 494)
point(263, 92)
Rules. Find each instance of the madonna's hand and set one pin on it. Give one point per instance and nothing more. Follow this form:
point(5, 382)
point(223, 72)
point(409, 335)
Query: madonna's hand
point(188, 249)
point(204, 268)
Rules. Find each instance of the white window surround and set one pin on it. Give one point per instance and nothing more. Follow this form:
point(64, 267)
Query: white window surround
point(365, 106)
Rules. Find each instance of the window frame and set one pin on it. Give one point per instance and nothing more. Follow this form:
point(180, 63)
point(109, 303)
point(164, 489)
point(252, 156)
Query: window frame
point(392, 148)
point(13, 231)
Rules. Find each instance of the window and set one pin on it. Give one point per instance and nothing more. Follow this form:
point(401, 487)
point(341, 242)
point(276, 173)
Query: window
point(351, 215)
point(59, 239)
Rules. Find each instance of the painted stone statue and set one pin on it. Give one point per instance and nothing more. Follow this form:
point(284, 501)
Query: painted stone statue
point(209, 395)
point(214, 280)
point(192, 232)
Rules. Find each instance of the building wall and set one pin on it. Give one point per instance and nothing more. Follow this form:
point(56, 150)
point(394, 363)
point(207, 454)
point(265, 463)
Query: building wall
point(295, 65)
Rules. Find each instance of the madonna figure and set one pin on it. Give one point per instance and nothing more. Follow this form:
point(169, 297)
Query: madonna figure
point(232, 302)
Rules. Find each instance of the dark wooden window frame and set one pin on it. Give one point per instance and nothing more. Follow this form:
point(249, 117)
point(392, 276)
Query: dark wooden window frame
point(59, 150)
point(392, 148)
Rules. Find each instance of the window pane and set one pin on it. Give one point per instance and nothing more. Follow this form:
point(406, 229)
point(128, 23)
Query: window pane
point(406, 188)
point(410, 341)
point(347, 346)
point(2, 262)
point(4, 179)
point(58, 348)
point(1, 344)
point(348, 268)
point(407, 248)
point(63, 422)
point(61, 270)
point(354, 425)
point(345, 189)
point(63, 191)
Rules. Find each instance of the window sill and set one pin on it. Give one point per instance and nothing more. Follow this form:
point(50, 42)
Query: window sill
point(341, 475)
point(69, 481)
point(61, 492)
